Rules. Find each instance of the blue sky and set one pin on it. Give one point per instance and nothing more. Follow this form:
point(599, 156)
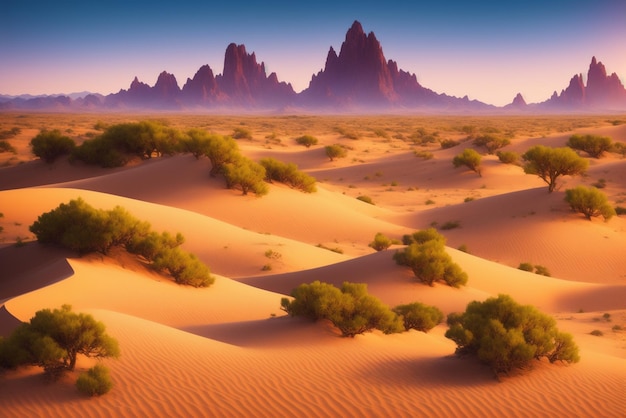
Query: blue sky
point(488, 51)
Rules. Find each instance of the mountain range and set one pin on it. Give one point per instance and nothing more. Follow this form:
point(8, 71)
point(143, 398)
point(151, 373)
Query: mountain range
point(358, 79)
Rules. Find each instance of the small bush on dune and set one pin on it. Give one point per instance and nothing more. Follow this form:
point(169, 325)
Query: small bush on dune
point(419, 316)
point(381, 242)
point(289, 174)
point(551, 163)
point(95, 381)
point(366, 199)
point(508, 157)
point(506, 335)
point(468, 158)
point(448, 143)
point(350, 308)
point(50, 145)
point(246, 175)
point(526, 267)
point(491, 142)
point(80, 227)
point(5, 146)
point(335, 151)
point(242, 133)
point(427, 257)
point(306, 140)
point(589, 201)
point(594, 145)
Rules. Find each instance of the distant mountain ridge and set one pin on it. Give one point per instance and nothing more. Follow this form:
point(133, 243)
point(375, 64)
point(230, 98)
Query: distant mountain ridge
point(359, 78)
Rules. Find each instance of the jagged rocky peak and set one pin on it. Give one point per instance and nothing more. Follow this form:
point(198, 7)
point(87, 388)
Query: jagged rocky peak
point(518, 101)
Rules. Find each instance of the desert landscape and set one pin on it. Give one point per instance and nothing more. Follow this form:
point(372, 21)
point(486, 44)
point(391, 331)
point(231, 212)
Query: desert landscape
point(229, 349)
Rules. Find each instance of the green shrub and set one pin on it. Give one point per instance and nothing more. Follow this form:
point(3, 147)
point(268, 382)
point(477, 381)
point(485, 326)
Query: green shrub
point(506, 335)
point(425, 155)
point(289, 174)
point(597, 333)
point(508, 157)
point(350, 308)
point(247, 176)
point(80, 227)
point(551, 163)
point(95, 381)
point(5, 146)
point(381, 242)
point(427, 257)
point(448, 143)
point(366, 199)
point(53, 339)
point(491, 142)
point(9, 133)
point(419, 316)
point(306, 140)
point(526, 267)
point(335, 151)
point(50, 145)
point(594, 145)
point(542, 270)
point(242, 133)
point(589, 201)
point(469, 158)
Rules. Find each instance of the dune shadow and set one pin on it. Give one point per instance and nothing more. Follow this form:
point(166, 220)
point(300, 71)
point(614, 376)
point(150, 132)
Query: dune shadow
point(602, 297)
point(447, 372)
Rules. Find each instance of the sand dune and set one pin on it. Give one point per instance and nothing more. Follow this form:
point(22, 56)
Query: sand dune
point(230, 351)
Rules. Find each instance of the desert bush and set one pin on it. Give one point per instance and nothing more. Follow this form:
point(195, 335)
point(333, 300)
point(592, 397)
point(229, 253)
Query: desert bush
point(526, 267)
point(94, 382)
point(448, 143)
point(508, 157)
point(589, 201)
point(335, 151)
point(506, 335)
point(381, 242)
point(542, 270)
point(419, 316)
point(289, 174)
point(594, 145)
point(619, 148)
point(346, 133)
point(196, 142)
point(429, 261)
point(349, 308)
point(221, 150)
point(491, 142)
point(366, 199)
point(620, 210)
point(469, 158)
point(242, 133)
point(53, 339)
point(5, 146)
point(80, 227)
point(425, 155)
point(551, 163)
point(9, 133)
point(597, 333)
point(246, 175)
point(50, 145)
point(306, 140)
point(450, 225)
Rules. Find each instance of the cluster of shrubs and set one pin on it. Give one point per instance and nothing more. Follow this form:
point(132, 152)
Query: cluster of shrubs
point(426, 255)
point(5, 146)
point(82, 228)
point(594, 145)
point(491, 142)
point(353, 311)
point(53, 339)
point(506, 335)
point(289, 174)
point(536, 268)
point(469, 158)
point(120, 143)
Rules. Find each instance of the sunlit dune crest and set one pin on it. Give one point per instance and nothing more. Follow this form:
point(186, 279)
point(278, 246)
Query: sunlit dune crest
point(229, 349)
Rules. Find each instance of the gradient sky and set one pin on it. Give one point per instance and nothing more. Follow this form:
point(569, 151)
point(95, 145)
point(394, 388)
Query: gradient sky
point(486, 50)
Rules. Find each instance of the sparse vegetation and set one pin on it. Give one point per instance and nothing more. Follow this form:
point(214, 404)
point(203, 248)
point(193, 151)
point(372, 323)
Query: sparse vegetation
point(419, 316)
point(594, 145)
point(306, 140)
point(425, 155)
point(506, 335)
point(80, 227)
point(508, 157)
point(468, 158)
point(289, 174)
point(450, 225)
point(246, 175)
point(242, 133)
point(448, 143)
point(589, 201)
point(536, 268)
point(5, 146)
point(366, 199)
point(491, 142)
point(50, 145)
point(94, 382)
point(53, 339)
point(335, 151)
point(597, 333)
point(551, 163)
point(427, 257)
point(350, 308)
point(382, 242)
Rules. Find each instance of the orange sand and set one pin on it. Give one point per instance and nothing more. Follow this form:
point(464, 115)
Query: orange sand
point(230, 351)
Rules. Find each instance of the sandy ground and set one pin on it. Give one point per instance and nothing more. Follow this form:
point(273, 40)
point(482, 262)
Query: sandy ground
point(230, 351)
